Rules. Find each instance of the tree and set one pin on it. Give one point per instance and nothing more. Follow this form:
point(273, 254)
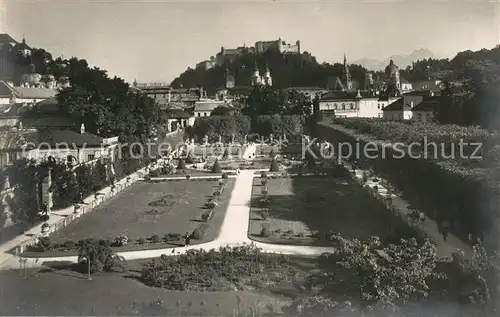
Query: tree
point(25, 206)
point(100, 255)
point(274, 166)
point(379, 276)
point(181, 165)
point(216, 168)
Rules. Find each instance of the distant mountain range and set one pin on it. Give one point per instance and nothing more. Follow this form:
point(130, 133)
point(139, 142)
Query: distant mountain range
point(401, 60)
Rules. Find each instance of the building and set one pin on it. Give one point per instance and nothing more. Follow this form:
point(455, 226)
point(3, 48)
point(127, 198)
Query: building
point(310, 92)
point(61, 145)
point(426, 110)
point(165, 95)
point(24, 94)
point(426, 85)
point(178, 118)
point(204, 107)
point(279, 45)
point(344, 104)
point(9, 69)
point(265, 79)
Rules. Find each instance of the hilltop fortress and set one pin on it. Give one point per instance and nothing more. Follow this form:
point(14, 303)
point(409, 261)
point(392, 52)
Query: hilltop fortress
point(229, 54)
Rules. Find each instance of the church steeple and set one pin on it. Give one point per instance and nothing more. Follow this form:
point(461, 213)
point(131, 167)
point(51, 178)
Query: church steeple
point(346, 75)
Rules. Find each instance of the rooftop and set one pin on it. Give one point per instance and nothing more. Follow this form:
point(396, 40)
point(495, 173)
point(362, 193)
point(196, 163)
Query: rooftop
point(404, 103)
point(428, 104)
point(6, 38)
point(26, 92)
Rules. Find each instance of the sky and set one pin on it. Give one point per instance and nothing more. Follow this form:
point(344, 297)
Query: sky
point(157, 40)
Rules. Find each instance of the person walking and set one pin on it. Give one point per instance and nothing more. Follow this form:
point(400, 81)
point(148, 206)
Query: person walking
point(445, 229)
point(187, 238)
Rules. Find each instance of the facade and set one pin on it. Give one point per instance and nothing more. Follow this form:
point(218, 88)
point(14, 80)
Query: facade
point(426, 85)
point(178, 118)
point(265, 79)
point(353, 104)
point(279, 44)
point(204, 107)
point(165, 95)
point(425, 111)
point(61, 145)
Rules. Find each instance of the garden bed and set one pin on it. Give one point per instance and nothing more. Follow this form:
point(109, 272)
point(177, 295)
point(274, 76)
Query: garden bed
point(305, 210)
point(146, 210)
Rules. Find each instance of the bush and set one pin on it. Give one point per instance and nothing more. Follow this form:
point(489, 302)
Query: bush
point(69, 244)
point(199, 232)
point(212, 203)
point(263, 174)
point(181, 165)
point(44, 218)
point(216, 168)
point(188, 176)
point(169, 237)
point(225, 155)
point(44, 243)
point(205, 216)
point(265, 232)
point(271, 153)
point(264, 214)
point(141, 241)
point(274, 166)
point(189, 158)
point(225, 176)
point(155, 239)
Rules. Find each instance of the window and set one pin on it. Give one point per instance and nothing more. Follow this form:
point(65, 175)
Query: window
point(199, 114)
point(90, 157)
point(205, 114)
point(343, 106)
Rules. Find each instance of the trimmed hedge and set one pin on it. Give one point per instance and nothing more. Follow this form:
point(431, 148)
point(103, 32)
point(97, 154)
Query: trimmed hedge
point(458, 196)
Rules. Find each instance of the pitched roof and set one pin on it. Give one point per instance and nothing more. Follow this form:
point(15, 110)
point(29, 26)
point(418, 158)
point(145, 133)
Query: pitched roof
point(346, 95)
point(35, 93)
point(404, 103)
point(428, 104)
point(207, 105)
point(54, 137)
point(26, 92)
point(6, 38)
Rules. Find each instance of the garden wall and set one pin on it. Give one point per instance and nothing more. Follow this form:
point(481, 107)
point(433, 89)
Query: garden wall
point(465, 201)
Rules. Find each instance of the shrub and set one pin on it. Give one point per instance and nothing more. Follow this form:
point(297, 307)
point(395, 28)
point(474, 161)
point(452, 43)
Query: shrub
point(263, 181)
point(199, 232)
point(44, 218)
point(120, 241)
point(263, 174)
point(169, 237)
point(141, 241)
point(375, 188)
point(265, 232)
point(264, 214)
point(69, 245)
point(181, 165)
point(212, 203)
point(188, 176)
point(225, 176)
point(301, 234)
point(44, 243)
point(365, 177)
point(225, 155)
point(155, 238)
point(274, 166)
point(205, 216)
point(216, 168)
point(189, 158)
point(271, 153)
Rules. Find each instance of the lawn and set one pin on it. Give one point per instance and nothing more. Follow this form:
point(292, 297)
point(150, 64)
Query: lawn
point(62, 292)
point(302, 207)
point(66, 293)
point(137, 212)
point(212, 150)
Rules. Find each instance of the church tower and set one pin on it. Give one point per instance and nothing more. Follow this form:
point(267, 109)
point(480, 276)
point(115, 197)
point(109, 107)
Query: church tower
point(256, 79)
point(346, 76)
point(267, 77)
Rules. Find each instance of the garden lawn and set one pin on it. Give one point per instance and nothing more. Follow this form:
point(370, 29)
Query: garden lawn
point(130, 214)
point(59, 292)
point(303, 206)
point(200, 150)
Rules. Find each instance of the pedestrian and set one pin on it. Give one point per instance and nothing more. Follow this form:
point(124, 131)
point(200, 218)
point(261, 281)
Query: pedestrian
point(445, 228)
point(187, 239)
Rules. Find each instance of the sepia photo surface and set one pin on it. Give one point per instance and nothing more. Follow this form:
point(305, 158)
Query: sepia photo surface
point(250, 158)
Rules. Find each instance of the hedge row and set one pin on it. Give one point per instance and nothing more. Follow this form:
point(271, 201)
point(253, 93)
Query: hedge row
point(467, 202)
point(239, 126)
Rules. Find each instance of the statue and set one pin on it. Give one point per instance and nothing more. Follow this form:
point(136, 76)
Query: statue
point(220, 140)
point(245, 139)
point(205, 140)
point(271, 139)
point(232, 138)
